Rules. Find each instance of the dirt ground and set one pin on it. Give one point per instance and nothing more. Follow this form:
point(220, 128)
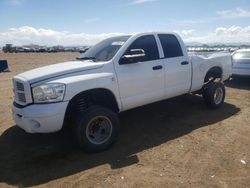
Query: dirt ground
point(174, 143)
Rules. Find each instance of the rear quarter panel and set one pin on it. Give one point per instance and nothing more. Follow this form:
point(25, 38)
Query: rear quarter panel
point(201, 65)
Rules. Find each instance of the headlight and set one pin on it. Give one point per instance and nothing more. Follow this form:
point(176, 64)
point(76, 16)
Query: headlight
point(53, 92)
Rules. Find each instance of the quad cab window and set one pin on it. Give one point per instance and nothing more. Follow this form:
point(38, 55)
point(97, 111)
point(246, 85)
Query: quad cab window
point(171, 46)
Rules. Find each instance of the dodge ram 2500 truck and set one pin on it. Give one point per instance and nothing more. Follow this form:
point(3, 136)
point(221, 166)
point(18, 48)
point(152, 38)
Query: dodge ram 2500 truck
point(115, 75)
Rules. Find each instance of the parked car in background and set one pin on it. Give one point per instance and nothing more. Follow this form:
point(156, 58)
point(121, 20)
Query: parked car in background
point(241, 62)
point(8, 48)
point(19, 49)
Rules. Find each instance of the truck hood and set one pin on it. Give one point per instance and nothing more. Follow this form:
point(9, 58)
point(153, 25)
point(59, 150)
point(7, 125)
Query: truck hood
point(59, 69)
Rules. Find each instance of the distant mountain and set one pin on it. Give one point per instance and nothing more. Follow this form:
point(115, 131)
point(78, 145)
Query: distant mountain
point(229, 44)
point(193, 44)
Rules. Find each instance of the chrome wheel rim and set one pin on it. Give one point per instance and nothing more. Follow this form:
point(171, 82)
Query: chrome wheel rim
point(218, 95)
point(99, 129)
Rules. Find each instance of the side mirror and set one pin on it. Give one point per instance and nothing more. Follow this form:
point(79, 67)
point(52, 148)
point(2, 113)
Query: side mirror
point(134, 56)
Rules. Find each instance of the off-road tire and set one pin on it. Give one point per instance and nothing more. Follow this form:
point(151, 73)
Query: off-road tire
point(209, 94)
point(82, 123)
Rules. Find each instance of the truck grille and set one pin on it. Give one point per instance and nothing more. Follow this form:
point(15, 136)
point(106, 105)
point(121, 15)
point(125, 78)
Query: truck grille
point(21, 97)
point(19, 86)
point(19, 92)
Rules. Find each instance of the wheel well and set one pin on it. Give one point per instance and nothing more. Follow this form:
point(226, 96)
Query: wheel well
point(213, 74)
point(82, 101)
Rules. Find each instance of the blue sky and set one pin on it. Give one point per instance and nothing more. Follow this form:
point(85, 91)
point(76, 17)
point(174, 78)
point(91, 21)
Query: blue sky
point(196, 21)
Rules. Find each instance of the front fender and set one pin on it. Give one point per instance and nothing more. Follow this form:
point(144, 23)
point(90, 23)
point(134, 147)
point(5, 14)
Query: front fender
point(80, 83)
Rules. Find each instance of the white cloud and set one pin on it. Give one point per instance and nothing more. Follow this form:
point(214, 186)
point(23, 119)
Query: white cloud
point(29, 35)
point(233, 34)
point(185, 33)
point(136, 2)
point(220, 15)
point(236, 13)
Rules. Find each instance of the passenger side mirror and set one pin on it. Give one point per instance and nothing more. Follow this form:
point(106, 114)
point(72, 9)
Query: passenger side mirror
point(134, 56)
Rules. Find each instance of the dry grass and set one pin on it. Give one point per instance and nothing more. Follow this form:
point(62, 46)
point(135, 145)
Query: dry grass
point(174, 143)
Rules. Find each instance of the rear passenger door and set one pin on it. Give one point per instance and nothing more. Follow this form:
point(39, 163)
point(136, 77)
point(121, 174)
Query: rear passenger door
point(177, 66)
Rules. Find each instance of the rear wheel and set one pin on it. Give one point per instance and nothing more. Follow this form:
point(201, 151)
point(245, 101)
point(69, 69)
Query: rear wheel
point(214, 94)
point(97, 129)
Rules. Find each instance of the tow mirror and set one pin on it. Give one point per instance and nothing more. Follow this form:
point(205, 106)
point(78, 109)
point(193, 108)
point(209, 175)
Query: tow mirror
point(134, 56)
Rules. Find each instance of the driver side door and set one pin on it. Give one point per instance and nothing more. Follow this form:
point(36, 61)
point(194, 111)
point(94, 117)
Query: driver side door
point(141, 82)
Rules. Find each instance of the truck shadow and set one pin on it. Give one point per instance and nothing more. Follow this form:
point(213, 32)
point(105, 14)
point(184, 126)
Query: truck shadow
point(29, 160)
point(239, 83)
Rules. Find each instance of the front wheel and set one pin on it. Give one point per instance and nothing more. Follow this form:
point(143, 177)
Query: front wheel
point(97, 129)
point(214, 94)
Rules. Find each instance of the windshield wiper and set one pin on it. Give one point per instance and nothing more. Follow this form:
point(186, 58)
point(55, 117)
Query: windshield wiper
point(86, 58)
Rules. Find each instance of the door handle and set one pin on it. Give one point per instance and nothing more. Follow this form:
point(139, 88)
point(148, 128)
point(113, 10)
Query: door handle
point(158, 67)
point(184, 63)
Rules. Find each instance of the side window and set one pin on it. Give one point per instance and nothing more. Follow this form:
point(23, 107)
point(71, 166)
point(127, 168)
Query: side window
point(171, 46)
point(148, 44)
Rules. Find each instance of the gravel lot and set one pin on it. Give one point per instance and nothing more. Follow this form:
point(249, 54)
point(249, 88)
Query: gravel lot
point(174, 143)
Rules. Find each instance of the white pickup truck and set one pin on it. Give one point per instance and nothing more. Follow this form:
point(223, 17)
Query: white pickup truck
point(115, 75)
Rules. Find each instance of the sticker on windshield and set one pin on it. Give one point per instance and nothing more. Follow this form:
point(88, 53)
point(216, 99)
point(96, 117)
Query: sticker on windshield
point(117, 43)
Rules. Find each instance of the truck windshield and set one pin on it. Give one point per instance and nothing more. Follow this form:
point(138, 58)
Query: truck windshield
point(104, 50)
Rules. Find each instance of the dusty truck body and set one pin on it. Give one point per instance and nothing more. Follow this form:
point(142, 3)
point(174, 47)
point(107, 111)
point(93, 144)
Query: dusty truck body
point(117, 74)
